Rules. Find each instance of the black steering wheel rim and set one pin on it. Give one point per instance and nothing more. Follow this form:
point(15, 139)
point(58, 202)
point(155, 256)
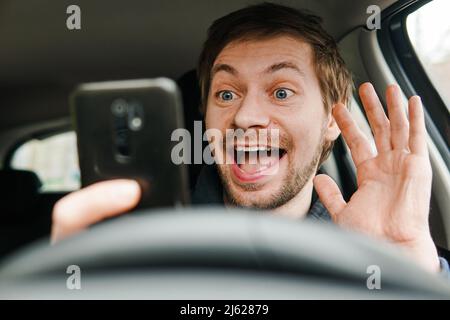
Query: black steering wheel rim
point(218, 241)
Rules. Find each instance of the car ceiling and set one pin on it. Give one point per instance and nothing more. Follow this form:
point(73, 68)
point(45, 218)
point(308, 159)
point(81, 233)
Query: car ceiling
point(41, 60)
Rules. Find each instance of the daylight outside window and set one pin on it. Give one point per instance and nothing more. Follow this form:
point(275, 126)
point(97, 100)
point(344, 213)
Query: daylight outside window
point(429, 31)
point(53, 159)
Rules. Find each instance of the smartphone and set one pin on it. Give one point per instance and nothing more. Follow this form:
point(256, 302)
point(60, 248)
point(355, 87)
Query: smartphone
point(124, 130)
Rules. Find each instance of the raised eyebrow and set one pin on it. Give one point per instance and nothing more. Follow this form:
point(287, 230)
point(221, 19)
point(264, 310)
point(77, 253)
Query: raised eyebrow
point(223, 67)
point(284, 65)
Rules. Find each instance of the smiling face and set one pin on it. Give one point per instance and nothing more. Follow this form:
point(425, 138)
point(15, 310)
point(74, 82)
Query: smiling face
point(263, 85)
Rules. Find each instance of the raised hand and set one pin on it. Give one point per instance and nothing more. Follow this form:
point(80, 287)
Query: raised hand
point(394, 181)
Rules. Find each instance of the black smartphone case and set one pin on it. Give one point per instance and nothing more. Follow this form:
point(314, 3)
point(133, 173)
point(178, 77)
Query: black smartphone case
point(124, 130)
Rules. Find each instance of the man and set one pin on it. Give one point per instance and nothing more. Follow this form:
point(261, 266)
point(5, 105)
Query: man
point(272, 67)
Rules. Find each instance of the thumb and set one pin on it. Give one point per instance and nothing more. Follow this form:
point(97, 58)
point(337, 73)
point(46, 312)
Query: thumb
point(329, 194)
point(99, 201)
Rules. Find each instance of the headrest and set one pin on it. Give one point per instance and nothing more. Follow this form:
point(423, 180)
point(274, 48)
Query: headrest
point(19, 180)
point(190, 91)
point(18, 192)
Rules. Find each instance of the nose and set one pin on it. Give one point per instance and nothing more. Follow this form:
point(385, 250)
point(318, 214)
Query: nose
point(251, 113)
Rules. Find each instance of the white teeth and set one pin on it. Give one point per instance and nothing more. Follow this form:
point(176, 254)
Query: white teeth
point(252, 148)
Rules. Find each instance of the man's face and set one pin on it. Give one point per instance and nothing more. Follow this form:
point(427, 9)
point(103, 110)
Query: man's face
point(268, 84)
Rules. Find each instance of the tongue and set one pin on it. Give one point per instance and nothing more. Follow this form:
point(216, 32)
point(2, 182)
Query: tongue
point(258, 163)
point(251, 168)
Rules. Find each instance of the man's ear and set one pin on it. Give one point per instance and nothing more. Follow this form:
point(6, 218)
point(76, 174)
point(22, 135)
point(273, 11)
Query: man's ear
point(332, 130)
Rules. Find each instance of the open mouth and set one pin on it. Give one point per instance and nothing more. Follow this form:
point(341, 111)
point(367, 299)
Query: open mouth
point(251, 163)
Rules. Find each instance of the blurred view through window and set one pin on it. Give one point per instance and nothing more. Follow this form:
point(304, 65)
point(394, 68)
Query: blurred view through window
point(53, 159)
point(429, 31)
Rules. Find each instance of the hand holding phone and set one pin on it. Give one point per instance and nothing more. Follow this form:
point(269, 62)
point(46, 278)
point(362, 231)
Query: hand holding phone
point(123, 136)
point(99, 201)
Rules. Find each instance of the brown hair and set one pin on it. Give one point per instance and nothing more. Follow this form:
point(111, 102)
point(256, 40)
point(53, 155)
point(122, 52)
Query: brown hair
point(268, 20)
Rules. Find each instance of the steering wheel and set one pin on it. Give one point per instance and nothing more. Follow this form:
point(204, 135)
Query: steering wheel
point(215, 253)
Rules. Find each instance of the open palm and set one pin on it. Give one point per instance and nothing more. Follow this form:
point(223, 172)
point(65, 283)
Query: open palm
point(394, 182)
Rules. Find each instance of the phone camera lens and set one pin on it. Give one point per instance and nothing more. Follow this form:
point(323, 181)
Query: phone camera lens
point(135, 116)
point(136, 124)
point(119, 107)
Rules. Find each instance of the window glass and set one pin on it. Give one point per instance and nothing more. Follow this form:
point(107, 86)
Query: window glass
point(53, 159)
point(429, 31)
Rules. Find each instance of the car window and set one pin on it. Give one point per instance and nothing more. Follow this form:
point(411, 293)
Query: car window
point(54, 159)
point(429, 31)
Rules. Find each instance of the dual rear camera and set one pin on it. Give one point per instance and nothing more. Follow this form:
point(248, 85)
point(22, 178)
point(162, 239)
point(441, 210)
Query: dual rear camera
point(131, 111)
point(127, 117)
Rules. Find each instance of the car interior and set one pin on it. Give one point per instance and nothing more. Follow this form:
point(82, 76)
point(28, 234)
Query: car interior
point(41, 62)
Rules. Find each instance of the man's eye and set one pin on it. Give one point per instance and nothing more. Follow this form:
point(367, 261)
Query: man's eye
point(282, 94)
point(226, 95)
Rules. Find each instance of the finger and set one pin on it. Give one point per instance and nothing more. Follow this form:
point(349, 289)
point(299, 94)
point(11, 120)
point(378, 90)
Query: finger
point(329, 194)
point(417, 129)
point(353, 136)
point(376, 116)
point(397, 117)
point(92, 204)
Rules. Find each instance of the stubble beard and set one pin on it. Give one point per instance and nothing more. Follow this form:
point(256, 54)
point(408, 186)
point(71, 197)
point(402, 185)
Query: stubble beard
point(294, 181)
